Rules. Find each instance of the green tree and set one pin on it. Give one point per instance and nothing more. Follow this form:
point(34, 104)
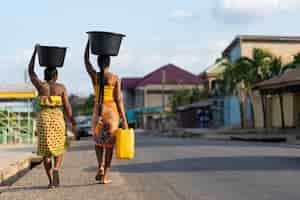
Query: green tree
point(241, 76)
point(179, 98)
point(294, 64)
point(232, 76)
point(187, 96)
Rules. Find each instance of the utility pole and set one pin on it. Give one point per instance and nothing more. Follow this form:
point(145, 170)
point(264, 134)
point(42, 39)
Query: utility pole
point(163, 82)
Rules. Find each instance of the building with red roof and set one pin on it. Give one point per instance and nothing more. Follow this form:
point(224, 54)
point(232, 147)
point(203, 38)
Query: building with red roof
point(150, 94)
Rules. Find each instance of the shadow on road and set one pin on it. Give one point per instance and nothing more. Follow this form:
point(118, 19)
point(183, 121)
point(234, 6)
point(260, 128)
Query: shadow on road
point(251, 163)
point(16, 189)
point(154, 141)
point(33, 188)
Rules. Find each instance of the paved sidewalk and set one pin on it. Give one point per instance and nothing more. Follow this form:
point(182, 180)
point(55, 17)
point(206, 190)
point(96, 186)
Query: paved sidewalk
point(15, 160)
point(77, 180)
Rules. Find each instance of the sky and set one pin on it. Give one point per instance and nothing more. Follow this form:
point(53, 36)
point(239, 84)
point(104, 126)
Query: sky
point(189, 33)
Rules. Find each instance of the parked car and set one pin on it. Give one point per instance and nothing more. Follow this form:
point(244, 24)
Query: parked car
point(84, 127)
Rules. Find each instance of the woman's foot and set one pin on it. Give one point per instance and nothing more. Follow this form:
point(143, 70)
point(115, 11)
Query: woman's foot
point(108, 181)
point(100, 174)
point(105, 179)
point(55, 178)
point(50, 186)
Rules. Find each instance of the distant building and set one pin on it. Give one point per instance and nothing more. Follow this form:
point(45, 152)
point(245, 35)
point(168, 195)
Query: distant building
point(16, 113)
point(281, 101)
point(211, 76)
point(284, 47)
point(146, 97)
point(281, 46)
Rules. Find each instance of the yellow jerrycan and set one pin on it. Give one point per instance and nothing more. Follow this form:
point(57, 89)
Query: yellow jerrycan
point(125, 144)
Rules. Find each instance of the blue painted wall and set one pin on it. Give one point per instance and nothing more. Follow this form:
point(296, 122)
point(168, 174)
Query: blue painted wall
point(231, 111)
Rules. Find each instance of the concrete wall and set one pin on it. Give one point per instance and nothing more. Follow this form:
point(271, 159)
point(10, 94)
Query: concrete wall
point(288, 110)
point(129, 98)
point(284, 50)
point(297, 109)
point(156, 99)
point(258, 111)
point(153, 96)
point(273, 111)
point(139, 98)
point(276, 117)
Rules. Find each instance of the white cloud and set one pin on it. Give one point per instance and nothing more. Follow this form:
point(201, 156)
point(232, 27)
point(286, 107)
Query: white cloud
point(183, 15)
point(192, 56)
point(241, 11)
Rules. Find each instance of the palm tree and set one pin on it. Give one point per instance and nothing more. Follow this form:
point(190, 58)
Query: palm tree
point(294, 64)
point(277, 69)
point(231, 77)
point(254, 70)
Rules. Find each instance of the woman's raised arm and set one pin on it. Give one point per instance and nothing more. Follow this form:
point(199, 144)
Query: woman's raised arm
point(88, 66)
point(33, 76)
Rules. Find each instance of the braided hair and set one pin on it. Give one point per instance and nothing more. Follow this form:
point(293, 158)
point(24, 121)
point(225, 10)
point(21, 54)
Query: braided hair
point(103, 62)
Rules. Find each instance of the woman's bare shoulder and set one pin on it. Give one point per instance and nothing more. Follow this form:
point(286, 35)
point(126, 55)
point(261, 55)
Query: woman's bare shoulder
point(60, 88)
point(114, 76)
point(60, 85)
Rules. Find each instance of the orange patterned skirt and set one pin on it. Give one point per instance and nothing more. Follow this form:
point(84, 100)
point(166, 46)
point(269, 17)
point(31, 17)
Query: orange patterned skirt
point(110, 123)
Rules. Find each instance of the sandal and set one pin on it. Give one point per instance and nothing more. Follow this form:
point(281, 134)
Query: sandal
point(50, 186)
point(99, 174)
point(106, 181)
point(55, 178)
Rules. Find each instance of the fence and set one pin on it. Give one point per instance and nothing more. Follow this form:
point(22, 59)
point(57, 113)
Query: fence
point(17, 124)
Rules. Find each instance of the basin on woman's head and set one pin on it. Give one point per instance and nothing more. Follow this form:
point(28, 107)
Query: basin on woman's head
point(105, 43)
point(50, 56)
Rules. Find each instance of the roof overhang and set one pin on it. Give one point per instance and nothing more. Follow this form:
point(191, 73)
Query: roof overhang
point(18, 95)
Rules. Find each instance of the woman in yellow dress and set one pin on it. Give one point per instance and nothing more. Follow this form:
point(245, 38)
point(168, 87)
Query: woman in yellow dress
point(108, 109)
point(51, 126)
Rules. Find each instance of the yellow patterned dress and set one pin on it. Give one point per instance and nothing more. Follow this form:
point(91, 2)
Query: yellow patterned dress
point(51, 127)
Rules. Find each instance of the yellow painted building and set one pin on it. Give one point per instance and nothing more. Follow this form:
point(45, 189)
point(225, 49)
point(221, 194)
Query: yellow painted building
point(16, 113)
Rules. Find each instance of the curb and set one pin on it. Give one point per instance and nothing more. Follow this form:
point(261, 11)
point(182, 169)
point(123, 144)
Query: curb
point(16, 170)
point(260, 139)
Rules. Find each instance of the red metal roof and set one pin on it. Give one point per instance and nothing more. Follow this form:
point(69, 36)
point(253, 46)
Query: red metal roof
point(173, 75)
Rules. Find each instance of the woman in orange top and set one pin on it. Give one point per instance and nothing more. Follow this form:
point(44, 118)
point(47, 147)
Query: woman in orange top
point(108, 109)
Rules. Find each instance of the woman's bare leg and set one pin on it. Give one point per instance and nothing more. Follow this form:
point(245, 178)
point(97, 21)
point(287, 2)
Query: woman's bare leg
point(58, 161)
point(48, 168)
point(99, 155)
point(108, 158)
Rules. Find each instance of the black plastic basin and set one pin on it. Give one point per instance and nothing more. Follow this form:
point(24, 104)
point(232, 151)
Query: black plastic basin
point(105, 43)
point(51, 56)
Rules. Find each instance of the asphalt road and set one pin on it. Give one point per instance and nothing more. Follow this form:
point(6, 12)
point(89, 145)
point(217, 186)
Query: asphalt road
point(169, 168)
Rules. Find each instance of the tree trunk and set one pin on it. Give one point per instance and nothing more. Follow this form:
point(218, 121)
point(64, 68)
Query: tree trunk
point(242, 114)
point(281, 111)
point(252, 110)
point(262, 97)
